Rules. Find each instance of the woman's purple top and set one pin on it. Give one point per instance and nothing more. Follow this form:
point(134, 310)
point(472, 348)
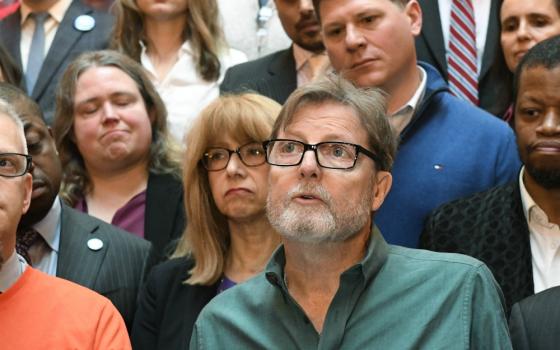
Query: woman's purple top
point(225, 283)
point(129, 218)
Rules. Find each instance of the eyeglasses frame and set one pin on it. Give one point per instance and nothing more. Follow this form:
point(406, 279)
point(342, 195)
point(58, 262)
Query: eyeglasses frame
point(230, 152)
point(314, 147)
point(28, 164)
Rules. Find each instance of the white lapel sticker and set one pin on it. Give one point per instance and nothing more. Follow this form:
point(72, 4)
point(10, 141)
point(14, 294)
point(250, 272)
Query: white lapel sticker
point(95, 244)
point(84, 23)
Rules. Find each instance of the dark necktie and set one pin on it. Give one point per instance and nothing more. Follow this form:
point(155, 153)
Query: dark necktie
point(25, 240)
point(36, 51)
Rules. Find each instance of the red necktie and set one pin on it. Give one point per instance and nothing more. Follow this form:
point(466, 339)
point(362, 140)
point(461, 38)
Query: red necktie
point(461, 56)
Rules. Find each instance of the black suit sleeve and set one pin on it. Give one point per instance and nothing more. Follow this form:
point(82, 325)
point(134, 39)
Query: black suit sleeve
point(517, 329)
point(146, 324)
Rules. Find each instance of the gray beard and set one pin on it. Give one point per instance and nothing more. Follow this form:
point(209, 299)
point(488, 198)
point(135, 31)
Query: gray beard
point(330, 222)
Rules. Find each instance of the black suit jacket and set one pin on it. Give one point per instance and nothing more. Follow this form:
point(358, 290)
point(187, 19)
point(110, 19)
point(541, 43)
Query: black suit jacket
point(491, 227)
point(494, 79)
point(164, 219)
point(115, 271)
point(68, 43)
point(535, 322)
point(168, 308)
point(274, 76)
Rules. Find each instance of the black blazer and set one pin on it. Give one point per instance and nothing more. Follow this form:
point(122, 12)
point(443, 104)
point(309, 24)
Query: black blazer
point(494, 79)
point(68, 43)
point(274, 76)
point(115, 271)
point(165, 219)
point(168, 308)
point(535, 322)
point(491, 227)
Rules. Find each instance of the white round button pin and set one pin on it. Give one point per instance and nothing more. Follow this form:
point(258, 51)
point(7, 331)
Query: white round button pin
point(95, 244)
point(84, 23)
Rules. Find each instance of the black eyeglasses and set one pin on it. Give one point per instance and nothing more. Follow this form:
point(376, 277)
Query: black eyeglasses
point(331, 155)
point(14, 164)
point(217, 158)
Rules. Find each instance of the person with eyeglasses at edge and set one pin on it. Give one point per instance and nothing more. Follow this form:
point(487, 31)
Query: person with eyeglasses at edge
point(55, 313)
point(335, 283)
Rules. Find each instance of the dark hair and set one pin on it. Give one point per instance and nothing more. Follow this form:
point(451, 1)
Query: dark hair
point(10, 70)
point(22, 103)
point(368, 104)
point(544, 54)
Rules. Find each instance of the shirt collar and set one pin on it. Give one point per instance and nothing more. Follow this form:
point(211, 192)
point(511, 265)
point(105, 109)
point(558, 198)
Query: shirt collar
point(374, 259)
point(11, 271)
point(418, 94)
point(57, 11)
point(49, 226)
point(531, 209)
point(301, 56)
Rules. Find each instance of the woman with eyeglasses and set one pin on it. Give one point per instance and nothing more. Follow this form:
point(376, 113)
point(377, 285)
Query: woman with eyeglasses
point(228, 238)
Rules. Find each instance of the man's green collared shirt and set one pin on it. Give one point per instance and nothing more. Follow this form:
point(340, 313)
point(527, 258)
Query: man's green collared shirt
point(395, 298)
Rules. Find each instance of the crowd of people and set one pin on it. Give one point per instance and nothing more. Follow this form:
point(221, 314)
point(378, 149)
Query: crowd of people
point(156, 189)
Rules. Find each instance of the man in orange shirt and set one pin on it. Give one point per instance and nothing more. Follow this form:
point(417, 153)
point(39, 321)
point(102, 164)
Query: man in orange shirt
point(37, 310)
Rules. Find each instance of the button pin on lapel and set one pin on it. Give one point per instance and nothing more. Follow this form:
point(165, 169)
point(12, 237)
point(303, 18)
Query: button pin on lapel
point(84, 23)
point(95, 244)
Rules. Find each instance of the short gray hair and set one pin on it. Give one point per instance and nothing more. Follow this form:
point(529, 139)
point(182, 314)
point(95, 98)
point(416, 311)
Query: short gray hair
point(368, 104)
point(8, 111)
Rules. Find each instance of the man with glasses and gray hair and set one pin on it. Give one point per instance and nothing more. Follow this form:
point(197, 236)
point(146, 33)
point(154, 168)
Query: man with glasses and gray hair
point(335, 283)
point(55, 313)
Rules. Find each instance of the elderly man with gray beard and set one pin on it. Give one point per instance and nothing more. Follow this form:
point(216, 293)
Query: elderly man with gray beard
point(335, 283)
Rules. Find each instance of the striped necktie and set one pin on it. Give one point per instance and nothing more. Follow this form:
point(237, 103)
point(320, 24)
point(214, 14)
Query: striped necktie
point(461, 56)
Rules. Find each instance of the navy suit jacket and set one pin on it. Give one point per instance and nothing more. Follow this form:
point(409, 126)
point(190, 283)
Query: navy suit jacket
point(68, 43)
point(274, 76)
point(495, 78)
point(115, 271)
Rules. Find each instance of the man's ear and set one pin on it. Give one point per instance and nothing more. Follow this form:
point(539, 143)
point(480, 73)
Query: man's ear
point(414, 13)
point(382, 185)
point(28, 189)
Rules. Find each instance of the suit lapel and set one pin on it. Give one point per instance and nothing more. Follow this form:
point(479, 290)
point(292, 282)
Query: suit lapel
point(10, 32)
point(283, 75)
point(432, 34)
point(76, 262)
point(162, 199)
point(492, 39)
point(65, 38)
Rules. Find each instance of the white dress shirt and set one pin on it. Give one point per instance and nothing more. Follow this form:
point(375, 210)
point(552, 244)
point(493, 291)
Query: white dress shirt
point(11, 271)
point(309, 65)
point(481, 19)
point(400, 119)
point(44, 256)
point(56, 12)
point(183, 91)
point(242, 31)
point(544, 237)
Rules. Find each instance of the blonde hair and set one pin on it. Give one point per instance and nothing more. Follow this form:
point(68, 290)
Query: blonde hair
point(206, 238)
point(202, 29)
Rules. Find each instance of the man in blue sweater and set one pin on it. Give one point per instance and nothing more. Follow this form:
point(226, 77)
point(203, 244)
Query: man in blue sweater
point(448, 148)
